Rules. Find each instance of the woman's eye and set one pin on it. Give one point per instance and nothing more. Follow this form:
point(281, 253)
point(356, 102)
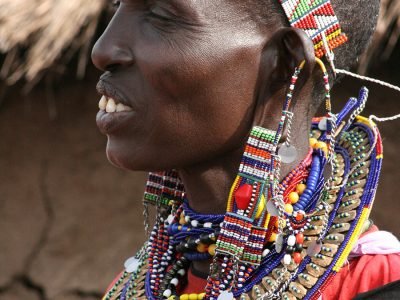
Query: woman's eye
point(161, 14)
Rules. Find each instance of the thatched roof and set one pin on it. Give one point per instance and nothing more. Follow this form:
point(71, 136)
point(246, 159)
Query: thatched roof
point(36, 34)
point(39, 35)
point(386, 36)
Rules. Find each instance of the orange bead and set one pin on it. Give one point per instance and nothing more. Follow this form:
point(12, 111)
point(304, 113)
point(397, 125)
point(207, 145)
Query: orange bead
point(300, 188)
point(299, 238)
point(297, 257)
point(299, 217)
point(272, 238)
point(211, 249)
point(201, 248)
point(293, 197)
point(289, 208)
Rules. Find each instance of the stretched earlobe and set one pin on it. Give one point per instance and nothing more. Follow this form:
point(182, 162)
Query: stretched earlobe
point(296, 48)
point(286, 50)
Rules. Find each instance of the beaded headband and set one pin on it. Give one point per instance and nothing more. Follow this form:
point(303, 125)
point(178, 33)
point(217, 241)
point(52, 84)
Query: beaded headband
point(317, 18)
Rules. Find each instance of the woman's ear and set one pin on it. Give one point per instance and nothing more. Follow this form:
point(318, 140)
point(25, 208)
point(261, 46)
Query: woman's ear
point(283, 52)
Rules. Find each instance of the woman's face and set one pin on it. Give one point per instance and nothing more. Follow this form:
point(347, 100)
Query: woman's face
point(188, 71)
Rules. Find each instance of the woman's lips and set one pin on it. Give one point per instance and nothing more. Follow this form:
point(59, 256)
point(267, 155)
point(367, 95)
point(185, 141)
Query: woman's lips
point(112, 115)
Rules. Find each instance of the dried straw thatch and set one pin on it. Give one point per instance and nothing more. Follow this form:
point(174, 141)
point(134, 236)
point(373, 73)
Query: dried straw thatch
point(386, 36)
point(36, 34)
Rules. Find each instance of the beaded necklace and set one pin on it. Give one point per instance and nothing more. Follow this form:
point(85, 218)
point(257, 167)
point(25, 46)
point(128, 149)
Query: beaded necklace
point(322, 221)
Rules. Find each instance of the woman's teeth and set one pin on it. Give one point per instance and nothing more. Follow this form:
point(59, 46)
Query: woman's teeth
point(109, 105)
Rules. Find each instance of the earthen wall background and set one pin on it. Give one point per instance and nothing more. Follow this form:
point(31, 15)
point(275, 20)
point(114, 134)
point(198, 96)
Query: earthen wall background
point(68, 219)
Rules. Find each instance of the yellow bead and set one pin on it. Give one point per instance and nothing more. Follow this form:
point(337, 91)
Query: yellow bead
point(193, 297)
point(313, 141)
point(211, 249)
point(320, 145)
point(201, 248)
point(201, 296)
point(182, 220)
point(261, 207)
point(325, 149)
point(282, 221)
point(293, 197)
point(300, 188)
point(289, 208)
point(172, 297)
point(272, 237)
point(184, 297)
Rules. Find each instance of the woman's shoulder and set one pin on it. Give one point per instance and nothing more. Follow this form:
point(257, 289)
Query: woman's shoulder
point(374, 262)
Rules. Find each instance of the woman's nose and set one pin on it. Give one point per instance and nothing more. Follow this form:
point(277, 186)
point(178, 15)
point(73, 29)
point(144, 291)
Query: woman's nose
point(111, 52)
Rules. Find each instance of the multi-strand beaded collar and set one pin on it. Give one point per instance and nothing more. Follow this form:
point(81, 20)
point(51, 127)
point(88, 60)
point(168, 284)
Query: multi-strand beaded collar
point(256, 251)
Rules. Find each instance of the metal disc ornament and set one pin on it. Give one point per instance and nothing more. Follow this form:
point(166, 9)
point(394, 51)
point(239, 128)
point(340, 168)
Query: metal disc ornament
point(287, 153)
point(323, 124)
point(272, 209)
point(279, 243)
point(131, 265)
point(314, 248)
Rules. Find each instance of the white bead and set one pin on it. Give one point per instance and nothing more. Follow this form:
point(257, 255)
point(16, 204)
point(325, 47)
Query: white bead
point(175, 281)
point(265, 252)
point(170, 219)
point(225, 295)
point(167, 293)
point(182, 272)
point(291, 240)
point(187, 219)
point(195, 223)
point(287, 259)
point(207, 225)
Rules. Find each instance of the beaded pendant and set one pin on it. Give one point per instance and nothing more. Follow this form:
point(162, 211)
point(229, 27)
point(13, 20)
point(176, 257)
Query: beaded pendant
point(318, 20)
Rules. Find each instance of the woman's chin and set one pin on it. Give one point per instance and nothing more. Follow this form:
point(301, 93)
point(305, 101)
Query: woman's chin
point(130, 158)
point(120, 158)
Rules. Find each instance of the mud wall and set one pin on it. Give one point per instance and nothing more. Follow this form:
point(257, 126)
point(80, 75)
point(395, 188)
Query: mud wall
point(68, 219)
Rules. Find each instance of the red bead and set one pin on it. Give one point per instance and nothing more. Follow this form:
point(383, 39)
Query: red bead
point(243, 196)
point(297, 257)
point(299, 217)
point(299, 238)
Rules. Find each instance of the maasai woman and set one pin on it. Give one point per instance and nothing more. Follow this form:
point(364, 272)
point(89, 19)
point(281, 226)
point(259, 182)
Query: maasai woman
point(255, 199)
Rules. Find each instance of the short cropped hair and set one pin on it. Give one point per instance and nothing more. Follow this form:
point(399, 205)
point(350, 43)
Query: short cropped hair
point(357, 18)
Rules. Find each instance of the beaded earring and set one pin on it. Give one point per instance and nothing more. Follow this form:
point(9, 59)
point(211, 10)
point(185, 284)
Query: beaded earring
point(162, 189)
point(287, 152)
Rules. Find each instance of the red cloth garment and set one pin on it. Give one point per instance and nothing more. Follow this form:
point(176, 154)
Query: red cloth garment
point(362, 274)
